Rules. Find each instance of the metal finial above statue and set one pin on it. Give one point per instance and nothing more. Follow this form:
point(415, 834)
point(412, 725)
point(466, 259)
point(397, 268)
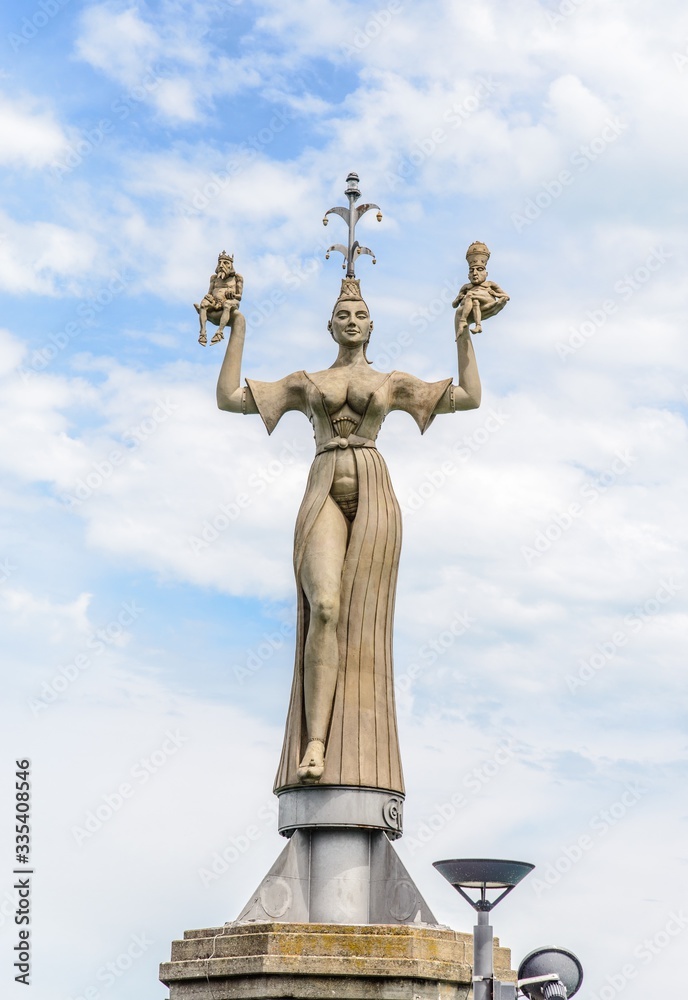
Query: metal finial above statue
point(351, 216)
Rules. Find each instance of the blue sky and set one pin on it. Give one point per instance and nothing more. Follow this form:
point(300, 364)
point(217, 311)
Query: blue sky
point(140, 140)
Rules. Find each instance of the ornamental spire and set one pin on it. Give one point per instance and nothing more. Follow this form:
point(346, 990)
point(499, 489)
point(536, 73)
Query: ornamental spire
point(351, 215)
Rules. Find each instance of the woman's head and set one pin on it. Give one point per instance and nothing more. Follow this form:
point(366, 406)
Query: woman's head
point(350, 324)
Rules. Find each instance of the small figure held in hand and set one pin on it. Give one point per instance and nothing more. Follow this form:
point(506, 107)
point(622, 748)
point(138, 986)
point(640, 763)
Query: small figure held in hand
point(479, 298)
point(221, 304)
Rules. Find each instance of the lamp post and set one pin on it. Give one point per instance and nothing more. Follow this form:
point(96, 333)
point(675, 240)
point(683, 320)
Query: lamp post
point(484, 875)
point(544, 974)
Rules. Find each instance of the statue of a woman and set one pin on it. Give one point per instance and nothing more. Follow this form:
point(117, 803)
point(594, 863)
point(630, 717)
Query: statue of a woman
point(341, 727)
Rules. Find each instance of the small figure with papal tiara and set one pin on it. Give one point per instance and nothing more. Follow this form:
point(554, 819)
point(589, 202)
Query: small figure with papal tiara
point(479, 298)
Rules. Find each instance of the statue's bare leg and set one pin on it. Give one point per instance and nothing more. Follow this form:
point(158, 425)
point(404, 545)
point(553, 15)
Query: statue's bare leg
point(224, 320)
point(477, 316)
point(203, 316)
point(321, 578)
point(462, 315)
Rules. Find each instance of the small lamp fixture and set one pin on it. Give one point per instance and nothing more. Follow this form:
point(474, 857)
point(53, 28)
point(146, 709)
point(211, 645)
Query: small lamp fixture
point(484, 875)
point(544, 974)
point(547, 973)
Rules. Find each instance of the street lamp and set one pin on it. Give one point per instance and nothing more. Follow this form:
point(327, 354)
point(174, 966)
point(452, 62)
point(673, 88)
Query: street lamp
point(484, 874)
point(547, 973)
point(544, 974)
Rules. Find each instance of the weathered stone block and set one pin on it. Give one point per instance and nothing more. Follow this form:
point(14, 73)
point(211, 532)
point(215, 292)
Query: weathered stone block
point(268, 961)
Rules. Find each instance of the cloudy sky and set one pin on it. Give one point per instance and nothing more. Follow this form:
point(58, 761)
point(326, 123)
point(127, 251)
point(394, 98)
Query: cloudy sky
point(145, 542)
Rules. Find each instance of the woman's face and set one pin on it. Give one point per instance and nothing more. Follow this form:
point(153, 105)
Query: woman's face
point(350, 324)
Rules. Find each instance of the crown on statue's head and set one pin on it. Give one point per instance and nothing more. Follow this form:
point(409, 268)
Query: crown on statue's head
point(224, 257)
point(477, 253)
point(351, 288)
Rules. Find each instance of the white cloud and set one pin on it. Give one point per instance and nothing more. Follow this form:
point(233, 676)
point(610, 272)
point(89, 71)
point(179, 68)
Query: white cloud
point(44, 258)
point(120, 43)
point(31, 135)
point(54, 618)
point(172, 63)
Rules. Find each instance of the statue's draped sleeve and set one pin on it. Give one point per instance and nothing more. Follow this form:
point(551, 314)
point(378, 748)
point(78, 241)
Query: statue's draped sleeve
point(400, 391)
point(274, 399)
point(419, 398)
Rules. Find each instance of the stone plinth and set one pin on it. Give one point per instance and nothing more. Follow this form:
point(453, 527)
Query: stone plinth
point(268, 961)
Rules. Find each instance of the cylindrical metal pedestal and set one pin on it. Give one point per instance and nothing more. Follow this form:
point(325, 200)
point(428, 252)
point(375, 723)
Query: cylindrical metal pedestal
point(340, 876)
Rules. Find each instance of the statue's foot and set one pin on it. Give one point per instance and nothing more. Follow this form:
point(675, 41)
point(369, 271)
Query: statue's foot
point(477, 328)
point(218, 337)
point(313, 764)
point(203, 339)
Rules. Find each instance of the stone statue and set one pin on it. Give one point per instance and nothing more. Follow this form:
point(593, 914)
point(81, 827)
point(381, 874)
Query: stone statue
point(221, 303)
point(341, 727)
point(479, 298)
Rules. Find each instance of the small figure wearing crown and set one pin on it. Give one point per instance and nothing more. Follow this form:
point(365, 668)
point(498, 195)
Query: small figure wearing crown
point(221, 304)
point(479, 298)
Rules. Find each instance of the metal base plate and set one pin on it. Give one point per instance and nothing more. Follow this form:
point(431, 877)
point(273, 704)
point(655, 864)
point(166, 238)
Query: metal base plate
point(340, 806)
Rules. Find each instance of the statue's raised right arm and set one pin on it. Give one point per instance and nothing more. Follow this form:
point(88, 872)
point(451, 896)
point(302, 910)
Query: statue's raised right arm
point(466, 395)
point(230, 395)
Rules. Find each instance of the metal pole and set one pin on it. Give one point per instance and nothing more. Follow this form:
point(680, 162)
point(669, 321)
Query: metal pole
point(352, 228)
point(353, 194)
point(483, 967)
